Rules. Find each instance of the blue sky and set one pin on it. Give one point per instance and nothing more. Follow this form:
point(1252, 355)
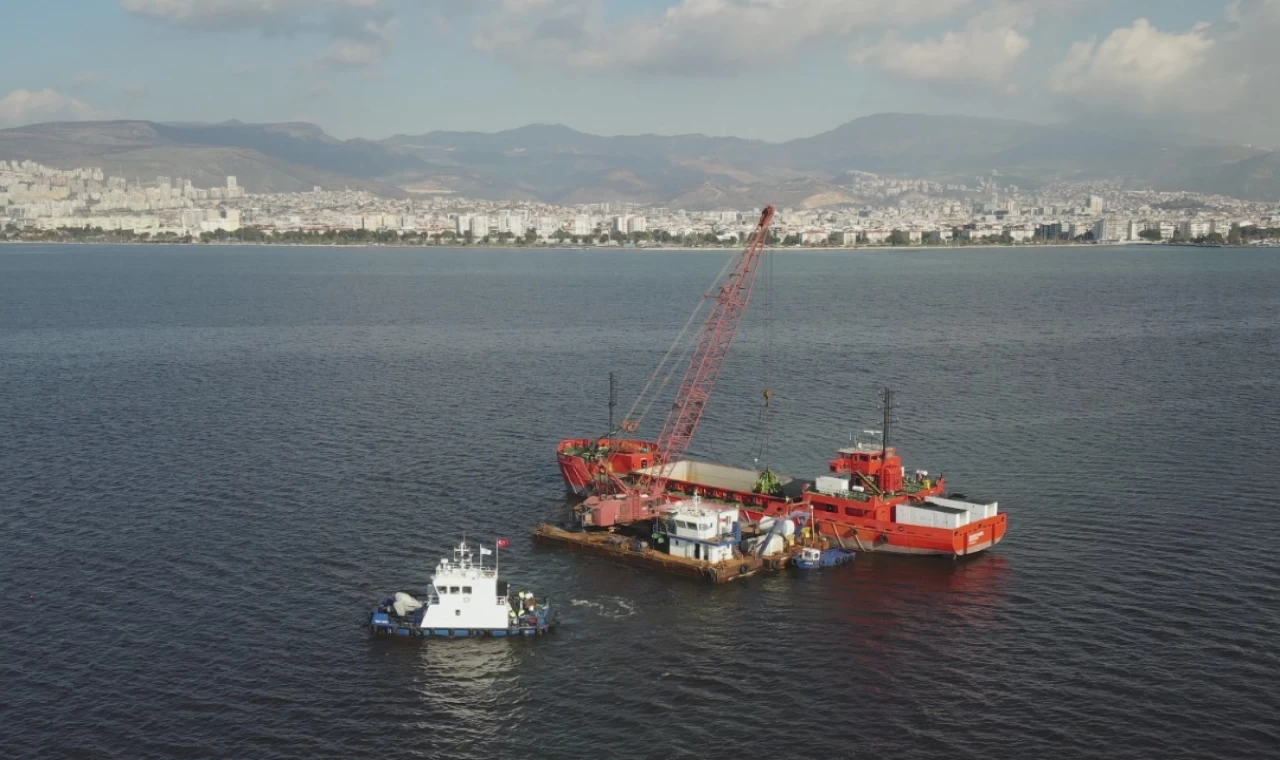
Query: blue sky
point(771, 69)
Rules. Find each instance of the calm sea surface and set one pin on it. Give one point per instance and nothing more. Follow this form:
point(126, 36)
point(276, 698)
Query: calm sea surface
point(213, 461)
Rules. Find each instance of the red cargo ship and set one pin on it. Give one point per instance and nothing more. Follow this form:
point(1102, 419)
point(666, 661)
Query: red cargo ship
point(868, 502)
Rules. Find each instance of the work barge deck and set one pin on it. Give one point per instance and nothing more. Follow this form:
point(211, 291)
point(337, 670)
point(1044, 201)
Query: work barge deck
point(636, 551)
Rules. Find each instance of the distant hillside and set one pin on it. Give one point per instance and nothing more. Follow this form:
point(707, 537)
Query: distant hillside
point(1257, 176)
point(907, 143)
point(263, 157)
point(555, 163)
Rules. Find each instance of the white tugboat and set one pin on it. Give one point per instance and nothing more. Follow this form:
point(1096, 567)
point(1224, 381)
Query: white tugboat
point(465, 599)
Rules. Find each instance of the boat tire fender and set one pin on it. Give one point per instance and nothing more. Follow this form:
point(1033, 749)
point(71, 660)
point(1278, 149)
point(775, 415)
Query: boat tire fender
point(744, 569)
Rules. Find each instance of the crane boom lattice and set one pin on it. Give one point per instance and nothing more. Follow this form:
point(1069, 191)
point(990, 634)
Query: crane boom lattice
point(731, 300)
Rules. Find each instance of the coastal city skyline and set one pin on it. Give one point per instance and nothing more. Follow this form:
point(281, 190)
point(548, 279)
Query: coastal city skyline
point(376, 68)
point(37, 199)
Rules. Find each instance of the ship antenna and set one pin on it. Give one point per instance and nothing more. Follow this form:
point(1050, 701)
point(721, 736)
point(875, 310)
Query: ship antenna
point(613, 400)
point(888, 421)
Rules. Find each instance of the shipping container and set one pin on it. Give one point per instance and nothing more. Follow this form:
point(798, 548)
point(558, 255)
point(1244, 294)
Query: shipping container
point(932, 516)
point(832, 485)
point(978, 510)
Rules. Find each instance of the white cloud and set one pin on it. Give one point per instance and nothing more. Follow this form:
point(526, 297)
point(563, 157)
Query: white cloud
point(266, 15)
point(359, 46)
point(984, 52)
point(1138, 67)
point(1207, 70)
point(691, 37)
point(31, 107)
point(358, 30)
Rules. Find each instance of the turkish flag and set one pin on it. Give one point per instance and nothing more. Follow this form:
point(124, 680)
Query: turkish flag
point(503, 543)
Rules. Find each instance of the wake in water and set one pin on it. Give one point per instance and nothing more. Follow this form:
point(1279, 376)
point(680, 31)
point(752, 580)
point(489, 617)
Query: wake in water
point(611, 607)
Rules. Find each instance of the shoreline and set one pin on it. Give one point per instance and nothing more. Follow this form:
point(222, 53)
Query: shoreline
point(629, 249)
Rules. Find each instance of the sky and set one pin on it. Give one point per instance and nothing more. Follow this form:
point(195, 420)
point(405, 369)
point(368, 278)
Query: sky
point(767, 69)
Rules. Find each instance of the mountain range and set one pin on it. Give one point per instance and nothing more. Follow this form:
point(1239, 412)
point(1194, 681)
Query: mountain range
point(557, 164)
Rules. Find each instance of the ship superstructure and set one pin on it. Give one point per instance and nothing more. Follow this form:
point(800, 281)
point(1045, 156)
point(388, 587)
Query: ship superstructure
point(465, 598)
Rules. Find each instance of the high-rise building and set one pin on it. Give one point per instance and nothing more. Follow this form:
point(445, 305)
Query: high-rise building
point(1193, 229)
point(582, 225)
point(511, 221)
point(637, 224)
point(1095, 204)
point(231, 184)
point(479, 226)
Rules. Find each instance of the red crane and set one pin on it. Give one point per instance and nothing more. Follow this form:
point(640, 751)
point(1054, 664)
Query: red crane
point(730, 303)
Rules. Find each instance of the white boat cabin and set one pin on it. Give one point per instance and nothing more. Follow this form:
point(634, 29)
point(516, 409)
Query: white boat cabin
point(702, 533)
point(467, 595)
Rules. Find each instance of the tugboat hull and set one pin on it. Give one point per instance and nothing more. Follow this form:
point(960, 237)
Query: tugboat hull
point(382, 627)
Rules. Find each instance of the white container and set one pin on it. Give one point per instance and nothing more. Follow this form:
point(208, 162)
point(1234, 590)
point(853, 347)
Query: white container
point(931, 516)
point(976, 510)
point(832, 485)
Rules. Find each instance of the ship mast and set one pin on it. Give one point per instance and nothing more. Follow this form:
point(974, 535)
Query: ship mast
point(888, 421)
point(613, 400)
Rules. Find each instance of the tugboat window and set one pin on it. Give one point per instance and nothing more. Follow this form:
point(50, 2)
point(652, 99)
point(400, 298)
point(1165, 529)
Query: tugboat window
point(466, 589)
point(453, 589)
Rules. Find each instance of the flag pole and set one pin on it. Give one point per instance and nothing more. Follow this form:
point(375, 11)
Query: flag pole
point(496, 558)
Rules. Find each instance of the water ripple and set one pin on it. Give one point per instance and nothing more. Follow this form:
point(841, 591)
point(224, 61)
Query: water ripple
point(213, 461)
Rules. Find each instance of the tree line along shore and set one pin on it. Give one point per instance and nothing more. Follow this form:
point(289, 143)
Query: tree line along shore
point(656, 239)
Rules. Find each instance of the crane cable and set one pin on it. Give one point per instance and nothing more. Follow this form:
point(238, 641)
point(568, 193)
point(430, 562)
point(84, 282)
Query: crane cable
point(632, 421)
point(761, 449)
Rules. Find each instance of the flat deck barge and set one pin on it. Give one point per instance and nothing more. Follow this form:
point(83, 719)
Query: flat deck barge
point(638, 552)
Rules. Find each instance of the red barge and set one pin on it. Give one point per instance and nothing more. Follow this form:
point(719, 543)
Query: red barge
point(867, 503)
